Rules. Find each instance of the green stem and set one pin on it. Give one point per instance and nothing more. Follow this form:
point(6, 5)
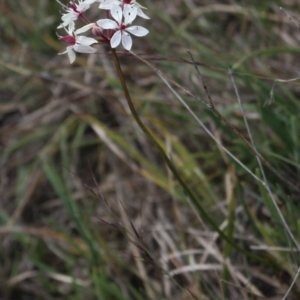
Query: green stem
point(186, 189)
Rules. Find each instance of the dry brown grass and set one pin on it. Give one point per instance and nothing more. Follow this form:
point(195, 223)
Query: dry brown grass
point(88, 208)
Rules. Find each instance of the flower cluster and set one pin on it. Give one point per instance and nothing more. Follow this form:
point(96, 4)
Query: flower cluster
point(114, 29)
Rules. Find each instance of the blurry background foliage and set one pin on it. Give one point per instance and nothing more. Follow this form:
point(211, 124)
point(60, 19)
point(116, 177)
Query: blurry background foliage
point(89, 209)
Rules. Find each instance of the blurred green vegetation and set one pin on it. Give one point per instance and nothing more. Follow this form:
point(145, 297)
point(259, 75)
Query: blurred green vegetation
point(89, 209)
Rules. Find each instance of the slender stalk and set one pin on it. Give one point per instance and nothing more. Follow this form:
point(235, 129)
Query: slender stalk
point(211, 106)
point(266, 184)
point(168, 162)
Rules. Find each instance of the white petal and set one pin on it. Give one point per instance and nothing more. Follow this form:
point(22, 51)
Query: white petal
point(137, 30)
point(85, 5)
point(70, 29)
point(82, 7)
point(90, 1)
point(116, 39)
point(60, 53)
point(129, 13)
point(85, 41)
point(71, 54)
point(107, 24)
point(116, 12)
point(84, 28)
point(84, 49)
point(61, 26)
point(107, 4)
point(69, 17)
point(141, 14)
point(126, 41)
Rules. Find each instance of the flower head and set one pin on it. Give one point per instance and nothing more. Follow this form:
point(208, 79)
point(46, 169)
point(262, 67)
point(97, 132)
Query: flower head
point(74, 12)
point(122, 29)
point(77, 43)
point(108, 4)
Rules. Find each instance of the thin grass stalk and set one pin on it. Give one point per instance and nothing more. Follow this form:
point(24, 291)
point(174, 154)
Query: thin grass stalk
point(227, 252)
point(231, 155)
point(173, 169)
point(267, 187)
point(211, 106)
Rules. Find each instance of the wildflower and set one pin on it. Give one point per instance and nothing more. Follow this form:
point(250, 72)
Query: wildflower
point(75, 11)
point(77, 43)
point(123, 31)
point(108, 4)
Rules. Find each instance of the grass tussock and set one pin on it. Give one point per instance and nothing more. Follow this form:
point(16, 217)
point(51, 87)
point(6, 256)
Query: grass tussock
point(89, 208)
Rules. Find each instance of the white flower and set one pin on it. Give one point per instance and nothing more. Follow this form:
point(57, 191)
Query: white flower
point(123, 31)
point(80, 44)
point(74, 12)
point(108, 4)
